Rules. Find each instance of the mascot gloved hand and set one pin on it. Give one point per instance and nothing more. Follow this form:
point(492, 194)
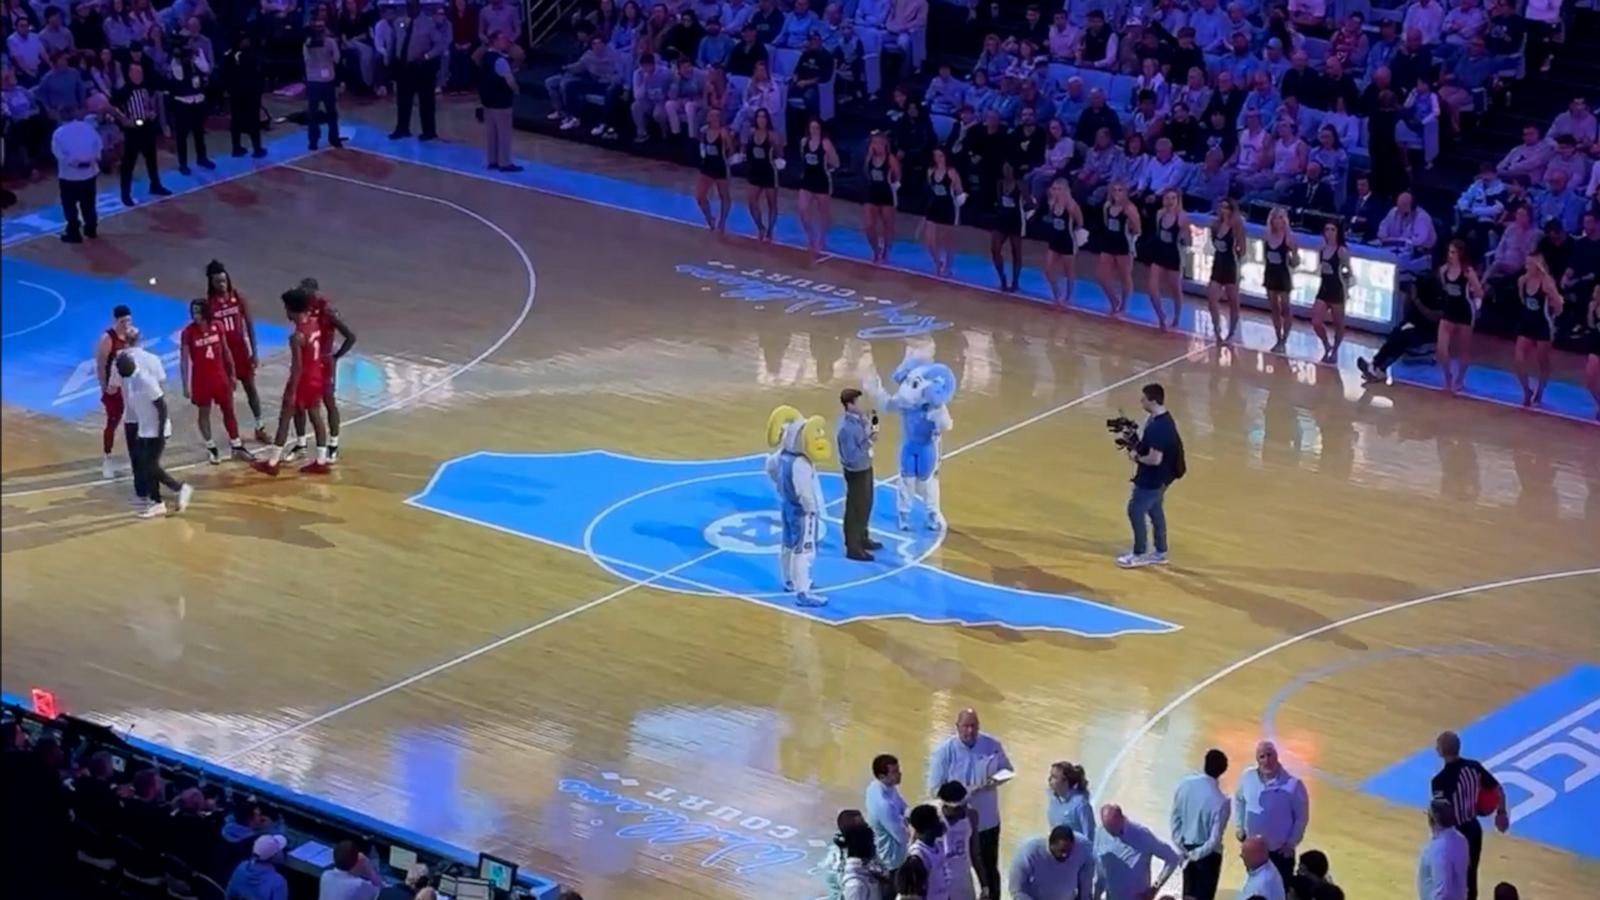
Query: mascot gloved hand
point(922, 395)
point(801, 443)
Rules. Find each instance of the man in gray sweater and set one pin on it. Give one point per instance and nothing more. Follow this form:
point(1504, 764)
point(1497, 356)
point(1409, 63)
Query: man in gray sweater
point(322, 91)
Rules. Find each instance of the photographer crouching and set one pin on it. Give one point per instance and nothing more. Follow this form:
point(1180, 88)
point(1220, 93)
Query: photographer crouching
point(1157, 451)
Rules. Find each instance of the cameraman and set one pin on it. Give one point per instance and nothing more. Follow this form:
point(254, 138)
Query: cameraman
point(191, 72)
point(855, 437)
point(1159, 456)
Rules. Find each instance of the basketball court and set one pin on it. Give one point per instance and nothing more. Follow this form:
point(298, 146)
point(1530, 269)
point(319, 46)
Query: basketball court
point(535, 611)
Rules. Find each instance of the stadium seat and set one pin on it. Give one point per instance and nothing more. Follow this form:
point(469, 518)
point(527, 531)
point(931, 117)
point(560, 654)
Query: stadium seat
point(942, 126)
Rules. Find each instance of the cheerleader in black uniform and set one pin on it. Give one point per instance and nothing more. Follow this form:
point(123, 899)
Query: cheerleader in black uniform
point(1539, 302)
point(1119, 232)
point(1164, 273)
point(1010, 215)
point(1460, 292)
point(1227, 248)
point(1062, 221)
point(1281, 256)
point(818, 159)
point(762, 154)
point(1333, 265)
point(716, 147)
point(1591, 369)
point(883, 183)
point(945, 196)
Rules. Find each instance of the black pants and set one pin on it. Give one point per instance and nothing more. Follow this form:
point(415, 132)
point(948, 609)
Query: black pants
point(1284, 863)
point(189, 120)
point(77, 204)
point(1472, 830)
point(989, 861)
point(244, 119)
point(155, 477)
point(139, 142)
point(1403, 340)
point(415, 83)
point(322, 108)
point(1201, 876)
point(858, 490)
point(130, 434)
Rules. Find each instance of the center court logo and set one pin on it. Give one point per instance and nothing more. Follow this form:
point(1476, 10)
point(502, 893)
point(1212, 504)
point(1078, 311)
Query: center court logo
point(809, 296)
point(708, 528)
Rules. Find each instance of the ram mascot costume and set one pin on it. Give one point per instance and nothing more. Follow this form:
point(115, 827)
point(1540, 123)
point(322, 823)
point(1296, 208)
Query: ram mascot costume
point(922, 397)
point(801, 443)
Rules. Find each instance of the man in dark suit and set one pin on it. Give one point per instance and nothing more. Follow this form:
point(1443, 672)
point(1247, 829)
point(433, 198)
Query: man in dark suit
point(414, 58)
point(1309, 192)
point(1364, 210)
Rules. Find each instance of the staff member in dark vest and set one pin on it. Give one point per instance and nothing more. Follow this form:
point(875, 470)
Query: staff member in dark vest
point(191, 71)
point(135, 107)
point(496, 89)
point(414, 60)
point(1159, 456)
point(1462, 781)
point(855, 437)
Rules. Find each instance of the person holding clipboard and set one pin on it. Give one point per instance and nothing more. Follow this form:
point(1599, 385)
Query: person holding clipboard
point(979, 762)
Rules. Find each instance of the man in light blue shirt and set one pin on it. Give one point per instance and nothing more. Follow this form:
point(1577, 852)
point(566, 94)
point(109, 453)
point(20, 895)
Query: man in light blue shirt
point(1199, 820)
point(715, 46)
point(1261, 876)
point(797, 26)
point(1559, 203)
point(1210, 26)
point(946, 93)
point(1273, 805)
point(1122, 855)
point(76, 146)
point(886, 811)
point(1442, 867)
point(1059, 867)
point(975, 759)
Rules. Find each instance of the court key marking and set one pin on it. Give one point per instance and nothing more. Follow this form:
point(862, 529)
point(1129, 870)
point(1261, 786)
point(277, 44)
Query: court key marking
point(61, 308)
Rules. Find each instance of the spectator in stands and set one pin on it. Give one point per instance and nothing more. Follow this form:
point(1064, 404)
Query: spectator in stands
point(1383, 50)
point(811, 71)
point(1566, 159)
point(1131, 167)
point(624, 34)
point(1583, 263)
point(1426, 18)
point(1062, 39)
point(27, 131)
point(1070, 103)
point(1413, 61)
point(684, 93)
point(144, 807)
point(1408, 232)
point(191, 833)
point(1528, 158)
point(715, 48)
point(94, 795)
point(1210, 26)
point(598, 69)
point(1098, 48)
point(743, 57)
point(1541, 19)
point(1390, 165)
point(1273, 63)
point(1164, 172)
point(1052, 163)
point(353, 876)
point(1147, 120)
point(682, 37)
point(1349, 43)
point(761, 93)
point(1364, 211)
point(1578, 123)
point(906, 27)
point(1516, 242)
point(1150, 80)
point(1301, 80)
point(1261, 99)
point(1228, 97)
point(1184, 132)
point(1421, 114)
point(27, 53)
point(1209, 182)
point(498, 16)
point(1480, 206)
point(946, 93)
point(648, 96)
point(1471, 72)
point(258, 878)
point(1346, 127)
point(1310, 191)
point(1558, 202)
point(61, 89)
point(1283, 160)
point(1098, 115)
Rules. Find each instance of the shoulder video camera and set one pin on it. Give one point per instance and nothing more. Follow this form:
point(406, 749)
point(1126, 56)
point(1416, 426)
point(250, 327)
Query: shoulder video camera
point(1126, 432)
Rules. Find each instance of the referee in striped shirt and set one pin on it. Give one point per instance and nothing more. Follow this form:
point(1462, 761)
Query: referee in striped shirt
point(136, 109)
point(1460, 782)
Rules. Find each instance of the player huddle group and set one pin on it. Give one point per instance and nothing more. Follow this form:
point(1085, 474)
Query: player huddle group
point(218, 353)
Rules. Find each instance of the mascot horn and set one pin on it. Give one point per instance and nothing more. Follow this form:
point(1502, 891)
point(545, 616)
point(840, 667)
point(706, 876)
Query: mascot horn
point(923, 393)
point(801, 443)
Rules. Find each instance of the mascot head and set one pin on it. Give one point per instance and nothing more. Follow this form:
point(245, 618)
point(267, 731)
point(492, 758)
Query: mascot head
point(789, 429)
point(923, 382)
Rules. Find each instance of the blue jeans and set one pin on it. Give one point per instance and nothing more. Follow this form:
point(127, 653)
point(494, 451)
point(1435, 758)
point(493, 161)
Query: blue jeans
point(322, 108)
point(1144, 502)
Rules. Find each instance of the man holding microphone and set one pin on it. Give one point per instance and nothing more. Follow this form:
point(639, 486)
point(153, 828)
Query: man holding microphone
point(856, 435)
point(1159, 456)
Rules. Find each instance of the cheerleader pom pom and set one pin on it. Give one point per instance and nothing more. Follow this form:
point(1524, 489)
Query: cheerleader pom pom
point(894, 186)
point(1081, 236)
point(961, 200)
point(736, 159)
point(780, 164)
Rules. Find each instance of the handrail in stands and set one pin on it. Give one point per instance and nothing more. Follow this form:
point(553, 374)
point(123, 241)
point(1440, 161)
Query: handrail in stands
point(545, 16)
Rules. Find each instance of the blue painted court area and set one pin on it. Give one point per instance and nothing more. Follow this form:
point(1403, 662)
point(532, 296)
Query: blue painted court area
point(1543, 748)
point(50, 320)
point(710, 527)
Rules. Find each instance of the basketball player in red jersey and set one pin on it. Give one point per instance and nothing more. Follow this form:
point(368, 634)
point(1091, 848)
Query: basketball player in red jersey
point(111, 342)
point(208, 377)
point(303, 394)
point(232, 313)
point(328, 323)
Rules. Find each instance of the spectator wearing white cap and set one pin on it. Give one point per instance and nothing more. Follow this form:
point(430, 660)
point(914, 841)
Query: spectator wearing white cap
point(258, 878)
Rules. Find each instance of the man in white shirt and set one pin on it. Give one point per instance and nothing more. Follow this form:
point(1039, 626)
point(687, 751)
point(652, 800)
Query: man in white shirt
point(886, 811)
point(974, 759)
point(1442, 867)
point(1261, 877)
point(1273, 805)
point(77, 146)
point(147, 405)
point(1200, 814)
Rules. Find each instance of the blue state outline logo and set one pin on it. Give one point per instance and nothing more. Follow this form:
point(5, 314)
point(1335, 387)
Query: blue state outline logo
point(710, 528)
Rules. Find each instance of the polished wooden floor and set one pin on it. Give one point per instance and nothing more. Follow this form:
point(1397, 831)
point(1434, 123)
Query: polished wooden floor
point(328, 636)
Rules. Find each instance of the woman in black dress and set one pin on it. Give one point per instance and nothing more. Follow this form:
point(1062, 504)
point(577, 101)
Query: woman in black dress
point(1539, 303)
point(1227, 248)
point(1165, 271)
point(1281, 256)
point(1333, 267)
point(716, 147)
point(1119, 232)
point(1009, 215)
point(1460, 292)
point(762, 154)
point(883, 183)
point(1062, 222)
point(945, 196)
point(818, 159)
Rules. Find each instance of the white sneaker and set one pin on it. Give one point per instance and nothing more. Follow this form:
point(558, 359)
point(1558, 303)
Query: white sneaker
point(1156, 559)
point(905, 522)
point(598, 130)
point(810, 600)
point(1133, 560)
point(554, 115)
point(569, 123)
point(107, 470)
point(935, 523)
point(185, 494)
point(153, 511)
point(138, 502)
